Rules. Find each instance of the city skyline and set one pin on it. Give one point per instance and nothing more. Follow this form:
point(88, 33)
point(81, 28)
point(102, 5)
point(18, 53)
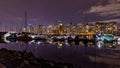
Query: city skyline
point(59, 33)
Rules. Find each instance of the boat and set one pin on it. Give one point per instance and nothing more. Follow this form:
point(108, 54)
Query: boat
point(24, 37)
point(109, 41)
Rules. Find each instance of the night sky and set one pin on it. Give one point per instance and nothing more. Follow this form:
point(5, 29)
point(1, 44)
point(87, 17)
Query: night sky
point(46, 12)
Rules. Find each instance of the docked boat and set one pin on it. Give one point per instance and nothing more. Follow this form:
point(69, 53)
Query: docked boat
point(24, 38)
point(109, 41)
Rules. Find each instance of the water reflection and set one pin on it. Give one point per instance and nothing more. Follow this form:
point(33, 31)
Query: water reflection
point(100, 44)
point(83, 42)
point(63, 51)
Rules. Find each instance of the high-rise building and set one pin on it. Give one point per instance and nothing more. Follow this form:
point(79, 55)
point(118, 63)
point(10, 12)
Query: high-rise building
point(106, 27)
point(40, 29)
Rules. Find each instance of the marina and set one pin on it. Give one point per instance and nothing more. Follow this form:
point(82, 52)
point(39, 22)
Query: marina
point(59, 34)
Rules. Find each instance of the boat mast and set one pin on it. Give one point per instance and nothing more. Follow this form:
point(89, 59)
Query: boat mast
point(25, 22)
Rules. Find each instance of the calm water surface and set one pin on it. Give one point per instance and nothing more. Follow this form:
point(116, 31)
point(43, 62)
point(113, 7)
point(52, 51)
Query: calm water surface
point(57, 52)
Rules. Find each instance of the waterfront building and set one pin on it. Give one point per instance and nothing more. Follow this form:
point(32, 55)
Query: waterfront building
point(60, 28)
point(106, 27)
point(111, 28)
point(87, 29)
point(40, 29)
point(82, 29)
point(73, 28)
point(50, 29)
point(30, 28)
point(66, 30)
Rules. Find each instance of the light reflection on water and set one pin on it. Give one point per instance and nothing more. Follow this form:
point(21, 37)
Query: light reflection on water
point(58, 51)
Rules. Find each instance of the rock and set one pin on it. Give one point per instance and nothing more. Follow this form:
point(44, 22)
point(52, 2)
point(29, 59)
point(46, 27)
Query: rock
point(26, 62)
point(2, 66)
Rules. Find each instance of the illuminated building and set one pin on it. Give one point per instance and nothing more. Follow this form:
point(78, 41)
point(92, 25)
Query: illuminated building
point(60, 28)
point(40, 29)
point(88, 29)
point(106, 28)
point(111, 28)
point(66, 30)
point(44, 30)
point(73, 28)
point(50, 29)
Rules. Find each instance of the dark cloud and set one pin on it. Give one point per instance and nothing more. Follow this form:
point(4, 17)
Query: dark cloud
point(110, 10)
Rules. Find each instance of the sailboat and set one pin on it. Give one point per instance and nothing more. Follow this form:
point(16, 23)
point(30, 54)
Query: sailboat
point(24, 36)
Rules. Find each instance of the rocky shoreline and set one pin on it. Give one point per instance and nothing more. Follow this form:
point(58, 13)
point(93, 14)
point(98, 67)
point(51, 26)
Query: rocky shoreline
point(18, 59)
